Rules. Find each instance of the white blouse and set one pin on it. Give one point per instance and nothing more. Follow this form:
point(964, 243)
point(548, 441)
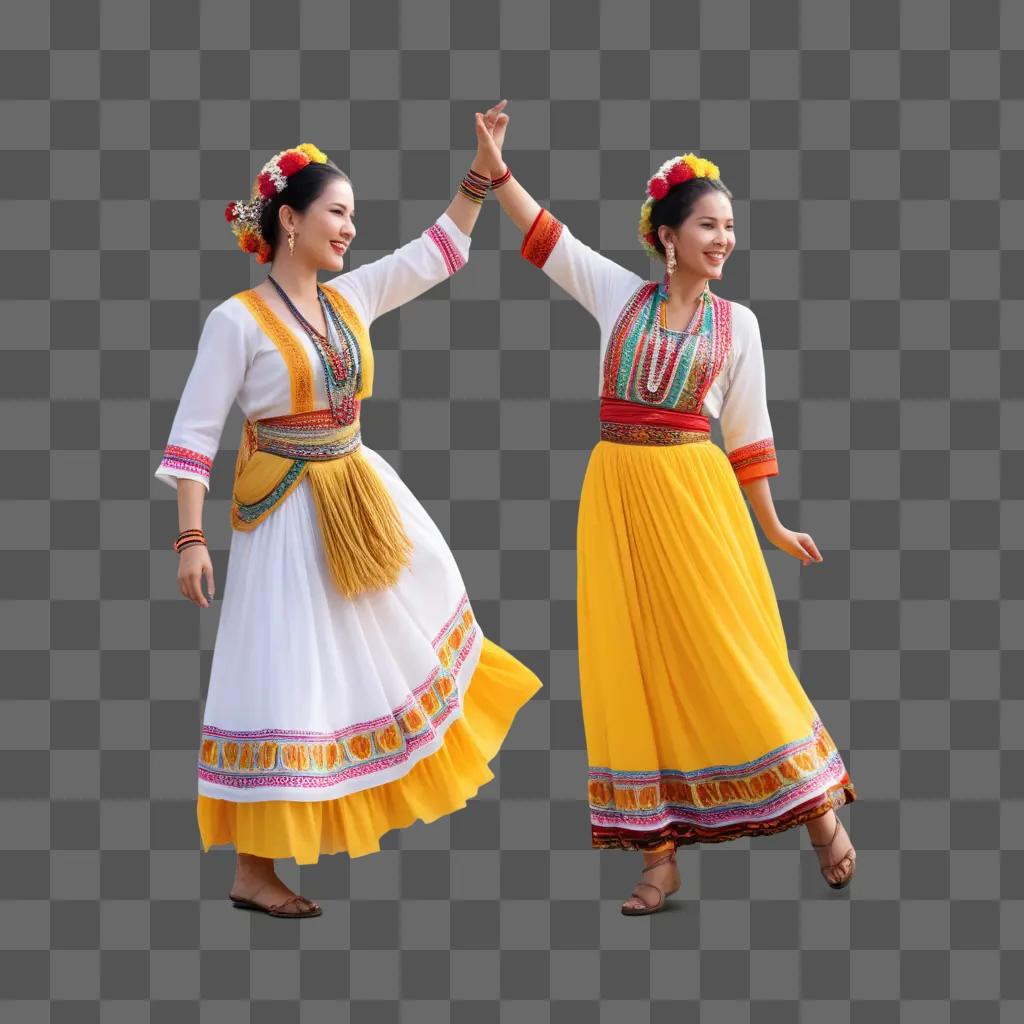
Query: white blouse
point(236, 361)
point(738, 395)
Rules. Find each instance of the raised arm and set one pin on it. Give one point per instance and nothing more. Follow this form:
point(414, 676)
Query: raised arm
point(377, 287)
point(599, 284)
point(442, 249)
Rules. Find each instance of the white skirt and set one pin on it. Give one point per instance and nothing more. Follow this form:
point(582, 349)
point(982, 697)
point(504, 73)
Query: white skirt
point(313, 695)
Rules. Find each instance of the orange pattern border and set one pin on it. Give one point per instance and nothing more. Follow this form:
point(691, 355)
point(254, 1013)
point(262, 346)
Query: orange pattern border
point(542, 237)
point(754, 460)
point(790, 784)
point(305, 760)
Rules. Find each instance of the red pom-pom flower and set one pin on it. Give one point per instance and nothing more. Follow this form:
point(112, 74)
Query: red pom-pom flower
point(658, 188)
point(680, 172)
point(292, 162)
point(266, 185)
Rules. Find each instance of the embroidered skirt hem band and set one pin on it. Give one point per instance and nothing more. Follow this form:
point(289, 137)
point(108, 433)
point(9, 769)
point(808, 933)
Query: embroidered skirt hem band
point(435, 786)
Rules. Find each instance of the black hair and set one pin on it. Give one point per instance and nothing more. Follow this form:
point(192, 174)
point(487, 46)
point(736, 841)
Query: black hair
point(303, 189)
point(674, 208)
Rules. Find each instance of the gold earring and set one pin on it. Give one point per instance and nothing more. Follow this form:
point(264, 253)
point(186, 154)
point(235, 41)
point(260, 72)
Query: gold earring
point(671, 262)
point(291, 242)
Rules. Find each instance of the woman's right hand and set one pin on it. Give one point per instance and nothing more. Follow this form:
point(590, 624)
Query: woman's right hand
point(194, 563)
point(490, 137)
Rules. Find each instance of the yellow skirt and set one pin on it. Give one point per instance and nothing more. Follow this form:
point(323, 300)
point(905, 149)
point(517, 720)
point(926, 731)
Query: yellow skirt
point(435, 786)
point(697, 728)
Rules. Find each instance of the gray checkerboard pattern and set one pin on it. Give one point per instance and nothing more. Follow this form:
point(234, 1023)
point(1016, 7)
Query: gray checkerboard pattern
point(875, 152)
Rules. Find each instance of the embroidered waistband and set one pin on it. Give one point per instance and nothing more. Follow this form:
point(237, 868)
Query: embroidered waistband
point(310, 436)
point(632, 423)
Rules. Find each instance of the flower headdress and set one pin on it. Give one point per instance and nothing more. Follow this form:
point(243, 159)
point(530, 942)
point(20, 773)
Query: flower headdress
point(244, 215)
point(671, 172)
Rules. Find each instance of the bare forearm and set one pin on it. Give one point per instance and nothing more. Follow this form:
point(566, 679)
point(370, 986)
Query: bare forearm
point(191, 495)
point(462, 210)
point(759, 495)
point(521, 207)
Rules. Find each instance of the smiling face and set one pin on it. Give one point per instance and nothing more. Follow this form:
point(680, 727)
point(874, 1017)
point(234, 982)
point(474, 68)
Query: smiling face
point(325, 230)
point(707, 231)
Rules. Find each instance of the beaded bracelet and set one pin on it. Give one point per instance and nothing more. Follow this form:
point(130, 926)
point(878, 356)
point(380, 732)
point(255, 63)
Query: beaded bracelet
point(474, 186)
point(499, 181)
point(187, 538)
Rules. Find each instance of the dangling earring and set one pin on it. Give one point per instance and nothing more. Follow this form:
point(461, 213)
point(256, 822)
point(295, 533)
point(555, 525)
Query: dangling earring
point(291, 242)
point(671, 262)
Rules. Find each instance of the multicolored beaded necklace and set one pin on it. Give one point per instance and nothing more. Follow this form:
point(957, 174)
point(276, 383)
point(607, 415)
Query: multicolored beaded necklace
point(662, 337)
point(338, 351)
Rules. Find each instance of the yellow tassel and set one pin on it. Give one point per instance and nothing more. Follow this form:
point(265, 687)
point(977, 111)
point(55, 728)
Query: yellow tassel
point(364, 540)
point(246, 446)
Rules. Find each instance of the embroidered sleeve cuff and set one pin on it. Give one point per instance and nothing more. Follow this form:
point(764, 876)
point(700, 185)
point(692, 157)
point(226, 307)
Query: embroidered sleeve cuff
point(451, 242)
point(463, 240)
point(184, 462)
point(755, 460)
point(542, 237)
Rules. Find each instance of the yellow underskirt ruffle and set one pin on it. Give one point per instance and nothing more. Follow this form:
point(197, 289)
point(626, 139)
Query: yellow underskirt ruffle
point(435, 786)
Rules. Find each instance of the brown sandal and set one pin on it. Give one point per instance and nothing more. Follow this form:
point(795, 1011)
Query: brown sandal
point(277, 909)
point(850, 855)
point(663, 894)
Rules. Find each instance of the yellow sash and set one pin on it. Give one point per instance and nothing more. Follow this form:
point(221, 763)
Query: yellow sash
point(364, 541)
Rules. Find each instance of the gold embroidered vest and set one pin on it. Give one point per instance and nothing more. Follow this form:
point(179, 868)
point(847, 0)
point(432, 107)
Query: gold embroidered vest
point(364, 541)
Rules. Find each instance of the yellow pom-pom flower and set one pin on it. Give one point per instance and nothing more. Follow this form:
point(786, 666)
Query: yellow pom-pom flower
point(314, 154)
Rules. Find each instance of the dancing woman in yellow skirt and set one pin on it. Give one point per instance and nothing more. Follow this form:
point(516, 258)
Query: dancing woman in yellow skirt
point(697, 728)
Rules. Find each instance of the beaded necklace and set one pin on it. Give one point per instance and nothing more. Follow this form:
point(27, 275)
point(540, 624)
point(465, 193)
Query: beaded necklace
point(662, 336)
point(338, 351)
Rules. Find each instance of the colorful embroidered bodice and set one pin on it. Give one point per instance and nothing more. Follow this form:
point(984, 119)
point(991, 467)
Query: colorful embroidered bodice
point(646, 363)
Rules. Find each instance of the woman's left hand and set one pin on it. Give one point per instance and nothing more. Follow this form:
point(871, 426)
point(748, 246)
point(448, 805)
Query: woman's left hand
point(496, 121)
point(799, 545)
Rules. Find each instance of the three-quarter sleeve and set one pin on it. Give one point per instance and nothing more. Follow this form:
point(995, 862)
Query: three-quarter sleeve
point(213, 383)
point(746, 426)
point(386, 283)
point(597, 283)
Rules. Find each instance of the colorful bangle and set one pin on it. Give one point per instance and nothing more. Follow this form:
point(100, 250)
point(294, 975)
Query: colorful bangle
point(498, 182)
point(189, 537)
point(474, 186)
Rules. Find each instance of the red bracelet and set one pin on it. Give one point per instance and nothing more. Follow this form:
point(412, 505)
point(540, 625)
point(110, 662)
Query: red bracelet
point(498, 182)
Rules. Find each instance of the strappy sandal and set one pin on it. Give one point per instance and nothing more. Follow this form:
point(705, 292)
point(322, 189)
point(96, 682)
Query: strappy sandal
point(663, 894)
point(277, 909)
point(851, 855)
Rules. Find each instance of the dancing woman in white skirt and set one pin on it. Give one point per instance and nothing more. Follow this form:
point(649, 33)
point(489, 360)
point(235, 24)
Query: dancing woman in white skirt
point(352, 690)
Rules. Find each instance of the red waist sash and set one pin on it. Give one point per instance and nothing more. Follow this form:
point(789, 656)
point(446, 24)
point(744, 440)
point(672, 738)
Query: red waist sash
point(617, 410)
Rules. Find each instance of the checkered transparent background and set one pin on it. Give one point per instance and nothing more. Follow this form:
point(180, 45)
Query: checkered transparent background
point(875, 153)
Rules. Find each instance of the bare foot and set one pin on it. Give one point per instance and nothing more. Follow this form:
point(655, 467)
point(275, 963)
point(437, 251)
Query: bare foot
point(255, 880)
point(831, 843)
point(665, 876)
